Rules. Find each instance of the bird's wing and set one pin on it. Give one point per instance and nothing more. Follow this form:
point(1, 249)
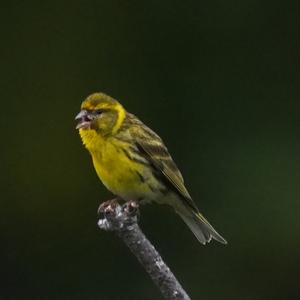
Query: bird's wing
point(153, 149)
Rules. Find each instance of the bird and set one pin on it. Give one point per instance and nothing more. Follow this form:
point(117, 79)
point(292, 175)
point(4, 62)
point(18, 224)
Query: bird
point(133, 162)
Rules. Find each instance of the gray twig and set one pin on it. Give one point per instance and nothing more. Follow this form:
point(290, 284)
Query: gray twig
point(123, 220)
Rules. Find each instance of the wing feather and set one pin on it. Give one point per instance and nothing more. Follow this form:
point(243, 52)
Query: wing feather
point(153, 149)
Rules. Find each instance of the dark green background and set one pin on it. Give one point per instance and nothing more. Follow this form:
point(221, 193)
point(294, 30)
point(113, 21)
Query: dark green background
point(218, 80)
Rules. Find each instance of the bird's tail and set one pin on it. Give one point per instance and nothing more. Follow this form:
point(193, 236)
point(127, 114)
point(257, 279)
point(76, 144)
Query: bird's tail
point(201, 228)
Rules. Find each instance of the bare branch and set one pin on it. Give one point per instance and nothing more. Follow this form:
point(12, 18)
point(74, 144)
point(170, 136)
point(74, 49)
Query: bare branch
point(123, 220)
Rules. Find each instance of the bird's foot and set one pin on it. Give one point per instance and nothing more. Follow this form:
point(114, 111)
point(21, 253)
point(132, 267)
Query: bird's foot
point(131, 207)
point(108, 207)
point(116, 216)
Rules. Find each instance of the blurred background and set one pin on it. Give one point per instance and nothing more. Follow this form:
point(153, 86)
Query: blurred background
point(219, 81)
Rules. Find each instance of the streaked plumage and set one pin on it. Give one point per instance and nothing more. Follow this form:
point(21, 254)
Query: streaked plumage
point(133, 163)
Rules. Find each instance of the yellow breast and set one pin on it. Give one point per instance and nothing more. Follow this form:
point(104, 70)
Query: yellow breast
point(117, 172)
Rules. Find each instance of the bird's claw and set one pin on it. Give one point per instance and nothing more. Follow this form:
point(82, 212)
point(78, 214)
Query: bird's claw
point(131, 207)
point(108, 207)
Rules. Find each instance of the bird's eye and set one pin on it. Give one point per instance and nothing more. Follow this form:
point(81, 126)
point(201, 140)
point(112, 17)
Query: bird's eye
point(98, 111)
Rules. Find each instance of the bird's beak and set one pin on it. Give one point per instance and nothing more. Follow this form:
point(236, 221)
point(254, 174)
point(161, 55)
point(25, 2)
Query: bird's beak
point(84, 120)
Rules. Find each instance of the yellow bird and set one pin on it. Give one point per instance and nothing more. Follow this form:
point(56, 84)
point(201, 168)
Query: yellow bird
point(133, 163)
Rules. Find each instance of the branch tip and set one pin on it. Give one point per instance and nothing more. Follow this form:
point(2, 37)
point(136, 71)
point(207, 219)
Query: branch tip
point(123, 220)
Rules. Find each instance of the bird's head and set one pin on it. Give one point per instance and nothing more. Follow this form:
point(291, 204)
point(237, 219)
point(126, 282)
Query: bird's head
point(101, 113)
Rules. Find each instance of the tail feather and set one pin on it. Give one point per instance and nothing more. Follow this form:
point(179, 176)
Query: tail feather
point(201, 228)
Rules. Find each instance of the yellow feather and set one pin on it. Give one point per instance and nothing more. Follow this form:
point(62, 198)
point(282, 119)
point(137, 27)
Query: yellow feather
point(117, 172)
